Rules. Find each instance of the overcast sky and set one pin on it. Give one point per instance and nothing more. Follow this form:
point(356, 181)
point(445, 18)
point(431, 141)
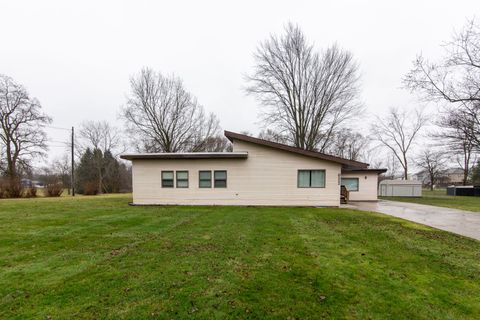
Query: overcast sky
point(76, 57)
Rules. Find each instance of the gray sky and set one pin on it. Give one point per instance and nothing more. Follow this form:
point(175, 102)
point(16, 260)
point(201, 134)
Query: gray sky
point(76, 57)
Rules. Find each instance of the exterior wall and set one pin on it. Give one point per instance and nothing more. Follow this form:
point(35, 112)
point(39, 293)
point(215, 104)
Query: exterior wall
point(367, 186)
point(455, 178)
point(400, 190)
point(267, 177)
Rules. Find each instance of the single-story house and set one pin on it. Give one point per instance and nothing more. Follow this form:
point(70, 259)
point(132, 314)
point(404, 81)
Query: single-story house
point(256, 172)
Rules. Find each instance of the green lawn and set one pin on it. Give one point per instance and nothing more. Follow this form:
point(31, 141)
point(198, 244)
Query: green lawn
point(439, 198)
point(97, 257)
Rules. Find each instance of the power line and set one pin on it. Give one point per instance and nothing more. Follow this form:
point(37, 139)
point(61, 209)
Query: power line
point(57, 128)
point(72, 146)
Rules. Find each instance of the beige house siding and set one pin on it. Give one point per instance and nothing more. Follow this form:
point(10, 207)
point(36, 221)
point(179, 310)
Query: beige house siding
point(455, 178)
point(367, 186)
point(267, 177)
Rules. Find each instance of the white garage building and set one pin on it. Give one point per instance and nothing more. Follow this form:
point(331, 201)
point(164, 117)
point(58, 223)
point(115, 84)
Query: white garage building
point(400, 188)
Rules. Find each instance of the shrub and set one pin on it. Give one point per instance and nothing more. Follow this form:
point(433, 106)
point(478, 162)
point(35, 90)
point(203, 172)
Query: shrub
point(54, 189)
point(90, 188)
point(11, 188)
point(31, 192)
point(2, 189)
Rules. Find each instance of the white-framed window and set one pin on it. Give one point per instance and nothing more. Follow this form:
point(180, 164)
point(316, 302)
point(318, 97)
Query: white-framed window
point(182, 179)
point(167, 179)
point(220, 178)
point(205, 179)
point(352, 184)
point(311, 179)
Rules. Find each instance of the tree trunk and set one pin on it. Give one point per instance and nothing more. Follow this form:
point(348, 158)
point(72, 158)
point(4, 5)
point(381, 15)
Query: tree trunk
point(11, 167)
point(100, 178)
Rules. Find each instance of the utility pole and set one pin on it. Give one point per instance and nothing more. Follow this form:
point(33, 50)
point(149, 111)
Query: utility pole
point(73, 164)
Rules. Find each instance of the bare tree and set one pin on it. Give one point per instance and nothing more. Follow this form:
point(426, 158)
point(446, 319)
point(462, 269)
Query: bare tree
point(379, 158)
point(371, 156)
point(273, 136)
point(456, 78)
point(101, 135)
point(433, 163)
point(217, 143)
point(3, 164)
point(349, 145)
point(455, 132)
point(397, 132)
point(22, 133)
point(164, 117)
point(103, 139)
point(472, 120)
point(394, 170)
point(306, 94)
point(56, 176)
point(62, 167)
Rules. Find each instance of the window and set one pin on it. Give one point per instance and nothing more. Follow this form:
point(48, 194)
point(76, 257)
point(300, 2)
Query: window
point(311, 178)
point(350, 183)
point(205, 179)
point(167, 179)
point(182, 179)
point(220, 179)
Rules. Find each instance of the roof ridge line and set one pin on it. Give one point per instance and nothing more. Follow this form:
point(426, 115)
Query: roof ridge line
point(233, 135)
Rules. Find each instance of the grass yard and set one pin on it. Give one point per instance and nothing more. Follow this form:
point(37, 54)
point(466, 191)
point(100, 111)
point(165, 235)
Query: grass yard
point(439, 198)
point(97, 257)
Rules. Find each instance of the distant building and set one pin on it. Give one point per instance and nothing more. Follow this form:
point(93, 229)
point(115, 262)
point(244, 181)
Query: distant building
point(28, 183)
point(451, 176)
point(454, 176)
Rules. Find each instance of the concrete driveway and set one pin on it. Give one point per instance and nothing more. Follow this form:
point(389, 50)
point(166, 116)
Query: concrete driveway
point(461, 222)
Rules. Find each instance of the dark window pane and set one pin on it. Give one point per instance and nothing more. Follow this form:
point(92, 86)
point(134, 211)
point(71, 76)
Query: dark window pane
point(182, 183)
point(167, 183)
point(304, 178)
point(220, 184)
point(221, 175)
point(205, 184)
point(205, 175)
point(182, 175)
point(317, 178)
point(167, 175)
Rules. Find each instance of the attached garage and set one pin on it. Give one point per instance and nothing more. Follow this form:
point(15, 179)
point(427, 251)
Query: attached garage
point(400, 188)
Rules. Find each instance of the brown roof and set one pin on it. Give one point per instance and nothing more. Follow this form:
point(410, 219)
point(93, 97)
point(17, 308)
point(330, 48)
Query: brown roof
point(379, 171)
point(350, 163)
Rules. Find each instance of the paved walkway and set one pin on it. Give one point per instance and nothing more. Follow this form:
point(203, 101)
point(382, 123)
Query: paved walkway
point(461, 222)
